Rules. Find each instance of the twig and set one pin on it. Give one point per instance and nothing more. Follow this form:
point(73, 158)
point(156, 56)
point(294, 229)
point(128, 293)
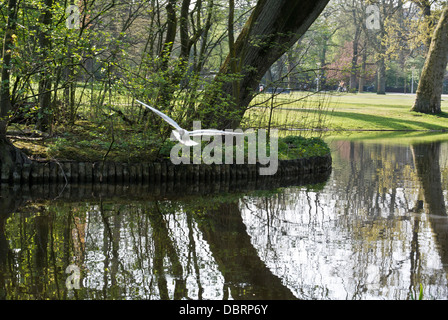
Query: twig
point(65, 177)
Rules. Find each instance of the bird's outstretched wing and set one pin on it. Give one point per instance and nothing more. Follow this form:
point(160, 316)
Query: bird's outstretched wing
point(212, 132)
point(162, 115)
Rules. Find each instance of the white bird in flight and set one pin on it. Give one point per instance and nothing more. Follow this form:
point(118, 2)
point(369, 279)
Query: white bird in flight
point(184, 135)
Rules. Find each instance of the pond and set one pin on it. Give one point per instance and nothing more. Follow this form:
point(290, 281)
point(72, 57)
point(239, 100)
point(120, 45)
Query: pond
point(376, 228)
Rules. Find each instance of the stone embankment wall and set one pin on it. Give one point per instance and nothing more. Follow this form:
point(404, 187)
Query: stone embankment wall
point(67, 172)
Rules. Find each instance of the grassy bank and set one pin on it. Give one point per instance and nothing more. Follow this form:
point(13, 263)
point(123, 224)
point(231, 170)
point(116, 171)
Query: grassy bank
point(356, 116)
point(345, 112)
point(89, 141)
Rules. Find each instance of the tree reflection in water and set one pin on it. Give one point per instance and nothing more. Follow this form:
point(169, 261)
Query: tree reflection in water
point(366, 235)
point(376, 229)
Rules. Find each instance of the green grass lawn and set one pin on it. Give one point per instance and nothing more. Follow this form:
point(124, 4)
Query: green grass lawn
point(352, 116)
point(353, 112)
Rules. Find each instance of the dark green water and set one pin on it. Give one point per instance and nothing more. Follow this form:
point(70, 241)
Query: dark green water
point(376, 229)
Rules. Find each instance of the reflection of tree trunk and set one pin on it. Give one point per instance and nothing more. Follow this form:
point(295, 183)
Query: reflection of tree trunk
point(426, 159)
point(41, 239)
point(414, 256)
point(115, 239)
point(8, 204)
point(4, 253)
point(163, 246)
point(193, 255)
point(244, 272)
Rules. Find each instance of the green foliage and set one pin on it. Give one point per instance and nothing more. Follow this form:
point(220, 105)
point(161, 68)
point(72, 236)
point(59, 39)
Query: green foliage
point(420, 295)
point(297, 147)
point(91, 141)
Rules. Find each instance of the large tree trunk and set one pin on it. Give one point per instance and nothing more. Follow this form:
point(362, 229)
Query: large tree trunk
point(274, 26)
point(362, 76)
point(9, 155)
point(354, 66)
point(381, 76)
point(45, 81)
point(429, 92)
point(8, 45)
